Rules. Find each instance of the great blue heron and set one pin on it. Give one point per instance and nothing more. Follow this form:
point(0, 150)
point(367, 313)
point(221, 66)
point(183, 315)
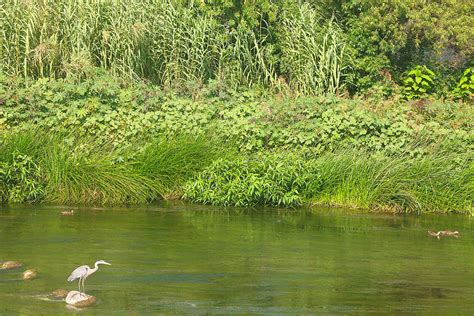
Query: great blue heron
point(83, 272)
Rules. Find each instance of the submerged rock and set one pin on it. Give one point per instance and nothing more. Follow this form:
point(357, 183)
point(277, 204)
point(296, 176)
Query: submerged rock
point(9, 265)
point(78, 299)
point(30, 274)
point(59, 293)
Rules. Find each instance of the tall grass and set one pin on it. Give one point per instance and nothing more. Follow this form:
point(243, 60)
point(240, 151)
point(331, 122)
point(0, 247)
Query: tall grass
point(432, 183)
point(92, 177)
point(78, 175)
point(166, 42)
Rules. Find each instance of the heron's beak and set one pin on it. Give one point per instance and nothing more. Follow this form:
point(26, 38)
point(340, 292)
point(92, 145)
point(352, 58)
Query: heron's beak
point(109, 264)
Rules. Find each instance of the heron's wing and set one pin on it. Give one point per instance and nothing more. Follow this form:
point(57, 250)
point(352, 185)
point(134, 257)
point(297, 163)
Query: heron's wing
point(78, 273)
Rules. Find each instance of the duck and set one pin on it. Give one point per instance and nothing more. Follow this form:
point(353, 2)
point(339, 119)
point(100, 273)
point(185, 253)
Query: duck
point(443, 233)
point(67, 213)
point(449, 233)
point(431, 233)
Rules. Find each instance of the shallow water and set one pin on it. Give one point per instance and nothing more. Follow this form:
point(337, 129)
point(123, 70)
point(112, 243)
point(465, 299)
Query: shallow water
point(183, 259)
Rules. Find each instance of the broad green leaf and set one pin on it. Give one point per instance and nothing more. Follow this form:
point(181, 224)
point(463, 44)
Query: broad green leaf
point(427, 78)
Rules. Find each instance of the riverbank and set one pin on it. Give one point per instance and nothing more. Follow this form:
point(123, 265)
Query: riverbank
point(98, 142)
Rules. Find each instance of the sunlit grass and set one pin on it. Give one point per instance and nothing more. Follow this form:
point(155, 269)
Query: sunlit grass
point(74, 170)
point(432, 183)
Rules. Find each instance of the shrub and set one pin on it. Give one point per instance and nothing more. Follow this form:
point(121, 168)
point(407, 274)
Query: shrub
point(465, 87)
point(274, 180)
point(20, 181)
point(418, 83)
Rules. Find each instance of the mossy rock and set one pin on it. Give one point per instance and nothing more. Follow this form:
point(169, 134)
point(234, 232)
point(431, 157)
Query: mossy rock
point(78, 299)
point(30, 274)
point(9, 265)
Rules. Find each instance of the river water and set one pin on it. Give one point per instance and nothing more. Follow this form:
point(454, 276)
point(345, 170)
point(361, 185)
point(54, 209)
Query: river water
point(185, 259)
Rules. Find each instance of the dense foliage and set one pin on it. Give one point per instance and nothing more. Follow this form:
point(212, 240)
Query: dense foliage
point(394, 36)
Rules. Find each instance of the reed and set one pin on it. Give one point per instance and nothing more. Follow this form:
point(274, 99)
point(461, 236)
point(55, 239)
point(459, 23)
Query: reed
point(313, 52)
point(167, 42)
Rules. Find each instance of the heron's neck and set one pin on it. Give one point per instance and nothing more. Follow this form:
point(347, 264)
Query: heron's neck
point(96, 267)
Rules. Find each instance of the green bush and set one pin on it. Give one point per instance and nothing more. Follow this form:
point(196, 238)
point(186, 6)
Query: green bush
point(465, 87)
point(393, 35)
point(274, 180)
point(21, 180)
point(418, 83)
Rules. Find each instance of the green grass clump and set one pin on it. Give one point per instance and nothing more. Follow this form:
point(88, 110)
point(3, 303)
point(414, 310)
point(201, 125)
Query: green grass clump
point(438, 182)
point(431, 183)
point(69, 174)
point(92, 177)
point(169, 162)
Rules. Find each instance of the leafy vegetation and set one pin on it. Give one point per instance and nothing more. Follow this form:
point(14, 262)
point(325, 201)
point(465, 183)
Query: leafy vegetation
point(136, 143)
point(101, 109)
point(465, 86)
point(418, 83)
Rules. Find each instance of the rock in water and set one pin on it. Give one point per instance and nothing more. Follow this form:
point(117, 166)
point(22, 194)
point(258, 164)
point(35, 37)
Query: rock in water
point(8, 265)
point(59, 293)
point(79, 299)
point(30, 274)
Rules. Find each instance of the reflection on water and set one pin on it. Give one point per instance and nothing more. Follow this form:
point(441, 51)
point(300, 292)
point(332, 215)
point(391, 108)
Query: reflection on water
point(183, 259)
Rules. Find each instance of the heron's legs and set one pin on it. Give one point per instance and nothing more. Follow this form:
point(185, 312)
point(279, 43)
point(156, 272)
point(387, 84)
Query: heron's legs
point(79, 285)
point(83, 288)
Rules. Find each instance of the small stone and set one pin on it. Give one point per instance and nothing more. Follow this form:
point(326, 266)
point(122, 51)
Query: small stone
point(9, 265)
point(59, 293)
point(78, 299)
point(30, 274)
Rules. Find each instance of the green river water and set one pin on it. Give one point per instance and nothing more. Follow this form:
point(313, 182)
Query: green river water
point(194, 260)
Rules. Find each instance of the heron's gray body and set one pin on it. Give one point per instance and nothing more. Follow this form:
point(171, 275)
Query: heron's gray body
point(83, 272)
point(78, 273)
